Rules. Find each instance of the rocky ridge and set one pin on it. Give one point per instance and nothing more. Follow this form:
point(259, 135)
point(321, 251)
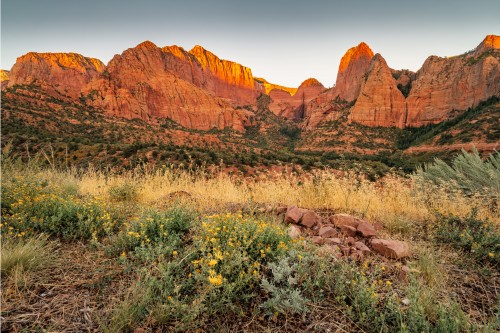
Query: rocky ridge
point(200, 91)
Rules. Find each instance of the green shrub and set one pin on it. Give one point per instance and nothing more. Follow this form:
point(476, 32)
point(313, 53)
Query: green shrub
point(123, 192)
point(31, 207)
point(153, 230)
point(468, 173)
point(282, 287)
point(479, 238)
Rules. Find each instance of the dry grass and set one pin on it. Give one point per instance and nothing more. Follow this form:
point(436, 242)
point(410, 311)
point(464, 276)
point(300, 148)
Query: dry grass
point(24, 255)
point(393, 201)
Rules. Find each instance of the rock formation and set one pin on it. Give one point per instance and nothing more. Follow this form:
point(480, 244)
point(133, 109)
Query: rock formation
point(294, 106)
point(352, 68)
point(68, 71)
point(200, 91)
point(226, 78)
point(148, 82)
point(456, 83)
point(267, 87)
point(380, 103)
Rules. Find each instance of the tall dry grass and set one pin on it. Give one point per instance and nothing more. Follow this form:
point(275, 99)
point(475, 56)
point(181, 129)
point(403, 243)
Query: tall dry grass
point(394, 201)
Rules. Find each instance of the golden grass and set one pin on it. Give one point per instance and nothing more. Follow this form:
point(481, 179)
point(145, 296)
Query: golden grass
point(394, 201)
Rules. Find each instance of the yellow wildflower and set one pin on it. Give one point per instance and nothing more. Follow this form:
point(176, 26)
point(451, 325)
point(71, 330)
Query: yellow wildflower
point(215, 280)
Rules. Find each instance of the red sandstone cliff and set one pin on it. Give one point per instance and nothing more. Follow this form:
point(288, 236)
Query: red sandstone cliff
point(69, 71)
point(267, 87)
point(226, 78)
point(148, 82)
point(294, 106)
point(456, 83)
point(353, 66)
point(199, 90)
point(380, 103)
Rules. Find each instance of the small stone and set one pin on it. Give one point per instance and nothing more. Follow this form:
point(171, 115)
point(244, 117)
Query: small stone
point(366, 230)
point(404, 273)
point(294, 232)
point(318, 240)
point(327, 232)
point(391, 248)
point(362, 247)
point(310, 219)
point(350, 241)
point(333, 241)
point(348, 230)
point(405, 301)
point(344, 219)
point(293, 215)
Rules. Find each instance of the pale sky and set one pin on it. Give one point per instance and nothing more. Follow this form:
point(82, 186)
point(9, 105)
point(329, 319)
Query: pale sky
point(284, 41)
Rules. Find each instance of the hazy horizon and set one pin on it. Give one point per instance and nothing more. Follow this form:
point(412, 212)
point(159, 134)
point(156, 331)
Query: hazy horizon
point(284, 42)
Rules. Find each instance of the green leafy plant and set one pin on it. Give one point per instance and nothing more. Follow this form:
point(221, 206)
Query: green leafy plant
point(467, 172)
point(479, 238)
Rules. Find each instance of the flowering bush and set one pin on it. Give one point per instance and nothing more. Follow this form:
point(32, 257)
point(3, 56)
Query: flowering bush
point(478, 237)
point(30, 206)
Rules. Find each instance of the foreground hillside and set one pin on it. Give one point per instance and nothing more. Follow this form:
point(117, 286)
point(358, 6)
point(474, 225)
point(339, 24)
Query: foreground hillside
point(163, 249)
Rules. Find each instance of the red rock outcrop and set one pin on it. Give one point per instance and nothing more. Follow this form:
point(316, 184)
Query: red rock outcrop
point(68, 71)
point(226, 78)
point(294, 106)
point(380, 103)
point(148, 82)
point(267, 87)
point(353, 66)
point(456, 83)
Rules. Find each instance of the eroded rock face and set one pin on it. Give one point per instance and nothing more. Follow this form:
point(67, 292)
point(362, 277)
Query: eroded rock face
point(294, 106)
point(148, 82)
point(353, 66)
point(380, 103)
point(267, 87)
point(69, 72)
point(457, 83)
point(226, 78)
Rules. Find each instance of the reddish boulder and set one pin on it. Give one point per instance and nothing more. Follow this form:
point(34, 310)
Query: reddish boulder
point(327, 232)
point(293, 215)
point(350, 241)
point(366, 230)
point(310, 219)
point(318, 240)
point(391, 248)
point(333, 241)
point(294, 232)
point(348, 230)
point(362, 247)
point(344, 219)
